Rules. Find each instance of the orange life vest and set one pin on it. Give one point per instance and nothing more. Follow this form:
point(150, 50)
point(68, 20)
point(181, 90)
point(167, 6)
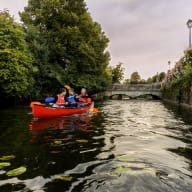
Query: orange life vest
point(60, 99)
point(85, 99)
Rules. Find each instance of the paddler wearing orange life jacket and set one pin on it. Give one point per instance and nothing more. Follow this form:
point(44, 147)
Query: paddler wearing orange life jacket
point(62, 97)
point(84, 97)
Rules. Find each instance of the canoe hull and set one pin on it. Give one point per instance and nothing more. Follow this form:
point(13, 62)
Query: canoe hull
point(40, 111)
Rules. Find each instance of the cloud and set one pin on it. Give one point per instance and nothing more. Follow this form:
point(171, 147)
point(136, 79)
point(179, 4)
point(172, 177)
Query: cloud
point(14, 6)
point(144, 35)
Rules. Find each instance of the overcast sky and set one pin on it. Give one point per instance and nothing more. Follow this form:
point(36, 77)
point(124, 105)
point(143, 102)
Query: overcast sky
point(144, 34)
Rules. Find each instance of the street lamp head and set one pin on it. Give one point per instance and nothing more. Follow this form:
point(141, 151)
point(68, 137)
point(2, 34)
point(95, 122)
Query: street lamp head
point(189, 23)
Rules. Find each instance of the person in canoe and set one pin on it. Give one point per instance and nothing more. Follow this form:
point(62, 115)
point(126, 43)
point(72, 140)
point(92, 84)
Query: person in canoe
point(84, 97)
point(61, 99)
point(72, 99)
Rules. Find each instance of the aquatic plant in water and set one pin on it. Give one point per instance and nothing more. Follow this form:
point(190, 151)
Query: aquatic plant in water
point(125, 158)
point(58, 142)
point(121, 170)
point(16, 172)
point(8, 157)
point(82, 141)
point(63, 178)
point(4, 164)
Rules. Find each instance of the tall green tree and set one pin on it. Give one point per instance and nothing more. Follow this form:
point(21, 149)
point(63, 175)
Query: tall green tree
point(68, 46)
point(135, 77)
point(118, 73)
point(15, 59)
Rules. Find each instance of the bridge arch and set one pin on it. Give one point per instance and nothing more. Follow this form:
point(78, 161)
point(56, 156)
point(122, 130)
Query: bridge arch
point(125, 96)
point(135, 90)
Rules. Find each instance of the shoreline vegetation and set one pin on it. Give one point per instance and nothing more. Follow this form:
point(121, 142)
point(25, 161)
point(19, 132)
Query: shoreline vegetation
point(177, 85)
point(58, 43)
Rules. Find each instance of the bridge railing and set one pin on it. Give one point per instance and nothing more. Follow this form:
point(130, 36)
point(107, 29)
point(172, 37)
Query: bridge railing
point(135, 87)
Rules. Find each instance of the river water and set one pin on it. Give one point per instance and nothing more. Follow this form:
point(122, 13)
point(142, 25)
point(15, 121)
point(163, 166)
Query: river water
point(130, 146)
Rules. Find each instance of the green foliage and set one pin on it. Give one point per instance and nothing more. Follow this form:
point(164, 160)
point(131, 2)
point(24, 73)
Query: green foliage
point(156, 78)
point(135, 77)
point(161, 76)
point(15, 59)
point(184, 82)
point(127, 82)
point(149, 80)
point(180, 87)
point(68, 47)
point(117, 73)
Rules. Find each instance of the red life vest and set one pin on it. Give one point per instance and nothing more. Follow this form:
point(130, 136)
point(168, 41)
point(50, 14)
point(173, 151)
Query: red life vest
point(60, 99)
point(85, 100)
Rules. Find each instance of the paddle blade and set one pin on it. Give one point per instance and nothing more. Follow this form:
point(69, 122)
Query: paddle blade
point(34, 103)
point(96, 110)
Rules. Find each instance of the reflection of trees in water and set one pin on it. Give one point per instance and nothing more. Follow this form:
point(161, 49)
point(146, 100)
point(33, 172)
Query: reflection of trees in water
point(184, 114)
point(180, 112)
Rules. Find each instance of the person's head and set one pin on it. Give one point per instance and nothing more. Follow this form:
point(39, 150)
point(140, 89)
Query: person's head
point(63, 91)
point(71, 91)
point(83, 91)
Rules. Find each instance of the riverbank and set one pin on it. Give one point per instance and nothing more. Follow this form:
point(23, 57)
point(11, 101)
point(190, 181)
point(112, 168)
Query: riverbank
point(178, 96)
point(177, 85)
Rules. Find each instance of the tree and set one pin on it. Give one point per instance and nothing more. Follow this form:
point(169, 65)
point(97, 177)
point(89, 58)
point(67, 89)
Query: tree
point(117, 73)
point(127, 82)
point(68, 47)
point(143, 81)
point(135, 77)
point(149, 80)
point(15, 59)
point(155, 78)
point(162, 76)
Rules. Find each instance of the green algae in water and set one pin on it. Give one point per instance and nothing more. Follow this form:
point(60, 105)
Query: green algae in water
point(82, 141)
point(63, 178)
point(121, 170)
point(8, 157)
point(16, 172)
point(58, 142)
point(125, 158)
point(4, 164)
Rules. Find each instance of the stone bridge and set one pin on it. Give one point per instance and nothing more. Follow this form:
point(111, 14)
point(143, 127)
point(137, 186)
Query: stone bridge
point(134, 90)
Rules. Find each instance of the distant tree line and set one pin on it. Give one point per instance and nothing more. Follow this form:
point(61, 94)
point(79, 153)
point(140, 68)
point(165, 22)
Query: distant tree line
point(57, 43)
point(135, 78)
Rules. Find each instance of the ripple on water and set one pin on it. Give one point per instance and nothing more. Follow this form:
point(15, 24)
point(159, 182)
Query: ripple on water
point(130, 146)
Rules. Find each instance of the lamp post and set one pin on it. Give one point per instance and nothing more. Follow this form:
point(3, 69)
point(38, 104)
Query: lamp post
point(189, 25)
point(169, 64)
point(157, 79)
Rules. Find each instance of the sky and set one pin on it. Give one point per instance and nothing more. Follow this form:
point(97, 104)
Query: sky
point(144, 34)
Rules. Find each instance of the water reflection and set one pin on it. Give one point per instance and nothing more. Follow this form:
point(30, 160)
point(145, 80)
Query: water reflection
point(130, 146)
point(61, 132)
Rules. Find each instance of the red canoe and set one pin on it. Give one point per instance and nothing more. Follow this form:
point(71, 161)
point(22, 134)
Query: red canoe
point(40, 111)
